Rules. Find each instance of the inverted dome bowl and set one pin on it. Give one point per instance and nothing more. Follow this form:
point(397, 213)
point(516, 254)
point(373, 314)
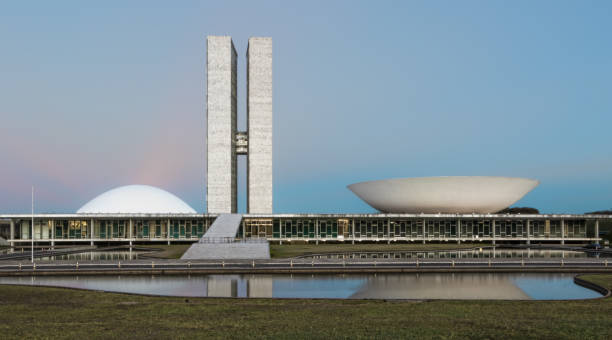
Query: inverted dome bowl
point(452, 194)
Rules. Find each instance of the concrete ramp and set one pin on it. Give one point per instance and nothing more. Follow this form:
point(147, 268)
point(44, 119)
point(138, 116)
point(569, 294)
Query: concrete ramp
point(228, 251)
point(224, 226)
point(219, 242)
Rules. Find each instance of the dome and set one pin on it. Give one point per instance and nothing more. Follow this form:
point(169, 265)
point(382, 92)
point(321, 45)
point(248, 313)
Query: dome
point(136, 199)
point(452, 194)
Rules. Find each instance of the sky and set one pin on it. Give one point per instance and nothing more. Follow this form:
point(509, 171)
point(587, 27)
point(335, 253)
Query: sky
point(95, 95)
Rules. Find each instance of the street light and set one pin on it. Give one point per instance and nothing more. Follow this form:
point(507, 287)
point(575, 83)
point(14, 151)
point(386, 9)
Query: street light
point(32, 233)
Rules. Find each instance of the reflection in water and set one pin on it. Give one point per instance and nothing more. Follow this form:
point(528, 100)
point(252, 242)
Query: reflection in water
point(453, 286)
point(487, 252)
point(519, 286)
point(85, 256)
point(95, 256)
point(551, 286)
point(483, 253)
point(319, 286)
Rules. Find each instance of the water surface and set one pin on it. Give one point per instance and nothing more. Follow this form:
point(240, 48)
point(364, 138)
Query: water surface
point(514, 286)
point(478, 253)
point(95, 256)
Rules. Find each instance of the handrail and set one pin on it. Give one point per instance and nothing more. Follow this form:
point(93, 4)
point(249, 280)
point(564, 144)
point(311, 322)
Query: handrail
point(291, 263)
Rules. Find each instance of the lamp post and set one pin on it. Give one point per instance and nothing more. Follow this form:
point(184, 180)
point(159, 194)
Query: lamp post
point(32, 233)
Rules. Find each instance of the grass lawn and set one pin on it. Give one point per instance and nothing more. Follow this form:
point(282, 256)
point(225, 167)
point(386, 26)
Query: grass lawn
point(173, 251)
point(291, 250)
point(34, 312)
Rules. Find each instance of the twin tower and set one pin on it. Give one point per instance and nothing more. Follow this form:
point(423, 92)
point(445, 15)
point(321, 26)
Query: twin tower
point(224, 143)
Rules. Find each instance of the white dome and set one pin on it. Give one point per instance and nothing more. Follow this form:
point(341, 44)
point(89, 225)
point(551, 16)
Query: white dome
point(136, 199)
point(453, 194)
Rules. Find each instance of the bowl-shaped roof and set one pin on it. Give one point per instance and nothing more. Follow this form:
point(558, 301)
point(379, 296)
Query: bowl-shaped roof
point(453, 194)
point(136, 199)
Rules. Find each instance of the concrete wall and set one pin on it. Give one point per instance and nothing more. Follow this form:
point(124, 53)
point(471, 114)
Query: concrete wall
point(259, 125)
point(221, 107)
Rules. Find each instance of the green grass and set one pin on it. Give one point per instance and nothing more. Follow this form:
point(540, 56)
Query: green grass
point(602, 280)
point(34, 312)
point(291, 250)
point(173, 251)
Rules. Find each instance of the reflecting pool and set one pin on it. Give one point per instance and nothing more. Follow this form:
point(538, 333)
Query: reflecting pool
point(489, 252)
point(511, 286)
point(94, 256)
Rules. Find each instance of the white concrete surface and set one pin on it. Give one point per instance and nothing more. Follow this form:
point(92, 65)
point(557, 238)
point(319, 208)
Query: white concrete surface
point(136, 199)
point(453, 194)
point(227, 251)
point(259, 122)
point(224, 226)
point(221, 109)
point(218, 242)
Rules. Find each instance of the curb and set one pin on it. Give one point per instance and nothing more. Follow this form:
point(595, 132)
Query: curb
point(593, 286)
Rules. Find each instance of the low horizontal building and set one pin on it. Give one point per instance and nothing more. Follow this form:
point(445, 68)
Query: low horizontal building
point(145, 214)
point(171, 227)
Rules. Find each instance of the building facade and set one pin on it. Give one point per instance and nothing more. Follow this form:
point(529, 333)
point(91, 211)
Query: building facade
point(224, 143)
point(221, 110)
point(259, 126)
point(145, 228)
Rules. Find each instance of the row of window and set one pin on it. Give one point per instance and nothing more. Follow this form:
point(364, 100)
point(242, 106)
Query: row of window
point(311, 228)
point(113, 229)
point(383, 228)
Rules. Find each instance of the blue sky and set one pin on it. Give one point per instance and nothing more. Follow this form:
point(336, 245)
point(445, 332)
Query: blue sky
point(95, 95)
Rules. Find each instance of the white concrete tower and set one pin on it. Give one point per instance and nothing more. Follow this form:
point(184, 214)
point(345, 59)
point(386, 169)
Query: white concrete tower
point(259, 125)
point(221, 107)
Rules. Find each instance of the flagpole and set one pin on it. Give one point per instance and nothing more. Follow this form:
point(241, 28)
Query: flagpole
point(32, 234)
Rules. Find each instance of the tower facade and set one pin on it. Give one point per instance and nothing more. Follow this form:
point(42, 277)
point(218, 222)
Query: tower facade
point(223, 142)
point(259, 120)
point(221, 112)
